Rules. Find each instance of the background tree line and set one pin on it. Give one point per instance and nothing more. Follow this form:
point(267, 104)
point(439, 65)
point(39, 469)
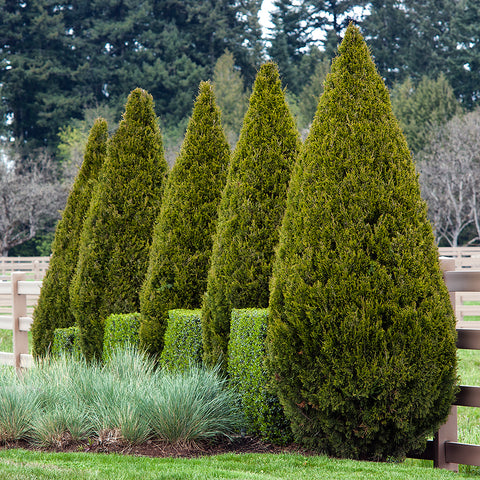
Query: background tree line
point(64, 63)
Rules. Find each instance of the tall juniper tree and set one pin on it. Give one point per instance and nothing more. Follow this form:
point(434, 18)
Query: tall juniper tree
point(182, 240)
point(53, 309)
point(250, 212)
point(113, 251)
point(361, 341)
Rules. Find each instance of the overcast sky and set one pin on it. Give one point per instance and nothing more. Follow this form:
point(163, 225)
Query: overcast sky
point(264, 18)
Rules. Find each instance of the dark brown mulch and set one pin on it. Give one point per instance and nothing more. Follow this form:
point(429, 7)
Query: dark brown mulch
point(245, 444)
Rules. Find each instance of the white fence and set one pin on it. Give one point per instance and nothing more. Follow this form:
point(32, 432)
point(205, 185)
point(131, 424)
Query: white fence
point(34, 267)
point(23, 295)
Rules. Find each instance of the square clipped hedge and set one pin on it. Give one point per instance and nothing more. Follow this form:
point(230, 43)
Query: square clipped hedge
point(246, 355)
point(66, 341)
point(183, 340)
point(121, 329)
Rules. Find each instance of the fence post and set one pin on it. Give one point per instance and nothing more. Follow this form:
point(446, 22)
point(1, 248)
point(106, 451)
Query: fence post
point(19, 309)
point(448, 431)
point(36, 270)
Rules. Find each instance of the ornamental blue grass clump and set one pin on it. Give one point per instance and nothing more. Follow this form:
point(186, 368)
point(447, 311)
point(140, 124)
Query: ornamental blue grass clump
point(361, 339)
point(183, 341)
point(249, 378)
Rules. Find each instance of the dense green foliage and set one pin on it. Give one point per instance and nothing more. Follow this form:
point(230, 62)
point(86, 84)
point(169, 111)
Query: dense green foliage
point(53, 308)
point(58, 59)
point(121, 330)
point(421, 108)
point(250, 212)
point(113, 251)
point(361, 341)
point(66, 342)
point(248, 376)
point(183, 340)
point(182, 239)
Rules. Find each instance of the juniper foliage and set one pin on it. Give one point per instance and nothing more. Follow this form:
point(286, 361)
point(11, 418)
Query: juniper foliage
point(113, 252)
point(361, 342)
point(250, 212)
point(182, 241)
point(53, 309)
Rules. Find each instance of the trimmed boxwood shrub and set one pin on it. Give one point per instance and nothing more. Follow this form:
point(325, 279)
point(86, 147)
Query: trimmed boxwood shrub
point(113, 250)
point(65, 341)
point(53, 309)
point(249, 378)
point(250, 212)
point(183, 340)
point(182, 240)
point(361, 340)
point(121, 329)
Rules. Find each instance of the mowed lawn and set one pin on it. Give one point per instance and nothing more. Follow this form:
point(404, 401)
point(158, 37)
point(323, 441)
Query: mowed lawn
point(21, 464)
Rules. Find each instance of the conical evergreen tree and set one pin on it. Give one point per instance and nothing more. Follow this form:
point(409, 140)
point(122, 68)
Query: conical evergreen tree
point(182, 241)
point(53, 309)
point(250, 212)
point(361, 344)
point(113, 252)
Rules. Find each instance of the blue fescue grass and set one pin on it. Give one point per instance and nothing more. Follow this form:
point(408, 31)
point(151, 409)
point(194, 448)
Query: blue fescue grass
point(125, 399)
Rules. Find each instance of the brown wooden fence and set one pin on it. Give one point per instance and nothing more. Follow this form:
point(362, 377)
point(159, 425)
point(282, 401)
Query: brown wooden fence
point(467, 304)
point(23, 295)
point(445, 450)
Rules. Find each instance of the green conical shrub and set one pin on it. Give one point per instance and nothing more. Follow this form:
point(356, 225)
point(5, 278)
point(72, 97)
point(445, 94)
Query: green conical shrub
point(182, 240)
point(250, 212)
point(113, 252)
point(53, 308)
point(361, 341)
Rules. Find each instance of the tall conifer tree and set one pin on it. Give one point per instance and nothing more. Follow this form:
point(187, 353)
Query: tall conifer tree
point(53, 309)
point(361, 343)
point(182, 241)
point(250, 212)
point(113, 252)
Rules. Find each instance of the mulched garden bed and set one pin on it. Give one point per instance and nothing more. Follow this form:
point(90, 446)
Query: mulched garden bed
point(240, 444)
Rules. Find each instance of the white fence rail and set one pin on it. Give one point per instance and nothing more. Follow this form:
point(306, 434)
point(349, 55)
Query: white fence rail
point(34, 267)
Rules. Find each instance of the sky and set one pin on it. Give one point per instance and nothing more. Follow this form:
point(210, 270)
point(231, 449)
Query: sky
point(264, 17)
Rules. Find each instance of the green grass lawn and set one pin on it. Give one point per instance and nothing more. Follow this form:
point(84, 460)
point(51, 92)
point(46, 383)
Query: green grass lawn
point(21, 464)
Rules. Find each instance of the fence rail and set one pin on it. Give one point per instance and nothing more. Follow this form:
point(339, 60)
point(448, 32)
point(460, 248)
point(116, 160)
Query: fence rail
point(34, 267)
point(445, 450)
